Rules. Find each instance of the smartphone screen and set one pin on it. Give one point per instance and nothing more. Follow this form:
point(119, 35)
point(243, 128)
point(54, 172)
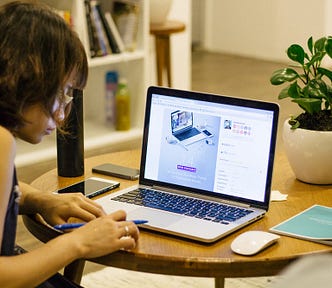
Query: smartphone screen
point(117, 171)
point(91, 187)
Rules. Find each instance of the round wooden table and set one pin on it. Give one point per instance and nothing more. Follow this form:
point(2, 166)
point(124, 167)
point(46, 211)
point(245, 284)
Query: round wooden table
point(163, 254)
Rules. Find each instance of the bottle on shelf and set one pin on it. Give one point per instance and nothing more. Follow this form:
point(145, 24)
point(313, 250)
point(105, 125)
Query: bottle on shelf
point(122, 104)
point(111, 87)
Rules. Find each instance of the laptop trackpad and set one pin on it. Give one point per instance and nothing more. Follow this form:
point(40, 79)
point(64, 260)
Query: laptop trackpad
point(155, 218)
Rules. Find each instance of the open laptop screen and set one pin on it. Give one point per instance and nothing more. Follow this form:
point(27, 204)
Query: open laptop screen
point(234, 159)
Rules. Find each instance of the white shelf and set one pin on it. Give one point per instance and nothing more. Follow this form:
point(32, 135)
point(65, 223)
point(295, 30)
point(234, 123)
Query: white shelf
point(116, 58)
point(98, 136)
point(95, 136)
point(131, 65)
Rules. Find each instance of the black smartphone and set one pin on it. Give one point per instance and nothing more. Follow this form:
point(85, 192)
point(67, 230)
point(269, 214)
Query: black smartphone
point(207, 133)
point(117, 171)
point(91, 187)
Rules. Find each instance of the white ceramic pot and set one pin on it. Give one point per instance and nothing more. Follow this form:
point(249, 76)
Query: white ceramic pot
point(159, 10)
point(309, 154)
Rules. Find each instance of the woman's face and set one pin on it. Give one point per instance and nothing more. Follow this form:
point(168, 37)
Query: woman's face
point(39, 123)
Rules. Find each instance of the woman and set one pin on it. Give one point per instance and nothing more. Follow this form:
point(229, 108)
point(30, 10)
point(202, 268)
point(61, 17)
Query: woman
point(41, 61)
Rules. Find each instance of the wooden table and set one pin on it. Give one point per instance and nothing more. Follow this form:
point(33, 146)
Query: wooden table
point(162, 254)
point(162, 33)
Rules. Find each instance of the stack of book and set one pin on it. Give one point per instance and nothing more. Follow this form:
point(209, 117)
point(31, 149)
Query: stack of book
point(104, 35)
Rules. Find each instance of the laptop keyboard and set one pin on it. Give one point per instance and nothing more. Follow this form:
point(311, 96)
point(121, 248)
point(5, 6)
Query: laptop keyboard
point(187, 134)
point(211, 211)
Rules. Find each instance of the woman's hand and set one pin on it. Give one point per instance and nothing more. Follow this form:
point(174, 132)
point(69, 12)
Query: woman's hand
point(105, 235)
point(58, 208)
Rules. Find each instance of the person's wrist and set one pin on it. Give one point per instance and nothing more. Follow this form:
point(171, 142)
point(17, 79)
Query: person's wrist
point(77, 247)
point(72, 244)
point(35, 202)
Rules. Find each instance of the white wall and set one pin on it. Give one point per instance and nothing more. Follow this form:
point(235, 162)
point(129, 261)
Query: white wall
point(264, 28)
point(180, 48)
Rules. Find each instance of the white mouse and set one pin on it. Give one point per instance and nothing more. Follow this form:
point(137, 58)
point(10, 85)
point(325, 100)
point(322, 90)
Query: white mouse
point(252, 242)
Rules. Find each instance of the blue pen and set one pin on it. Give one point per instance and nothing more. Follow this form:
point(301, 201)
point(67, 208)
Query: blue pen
point(68, 226)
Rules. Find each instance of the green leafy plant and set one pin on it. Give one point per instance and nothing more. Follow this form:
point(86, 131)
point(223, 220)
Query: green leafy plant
point(310, 84)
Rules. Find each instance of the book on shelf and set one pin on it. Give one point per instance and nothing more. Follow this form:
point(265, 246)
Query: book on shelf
point(126, 15)
point(313, 224)
point(115, 31)
point(95, 49)
point(108, 31)
point(102, 38)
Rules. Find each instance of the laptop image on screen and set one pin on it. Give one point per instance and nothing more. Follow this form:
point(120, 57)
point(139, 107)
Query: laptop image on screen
point(182, 123)
point(214, 187)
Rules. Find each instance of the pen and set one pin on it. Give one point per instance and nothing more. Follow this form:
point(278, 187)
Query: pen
point(67, 226)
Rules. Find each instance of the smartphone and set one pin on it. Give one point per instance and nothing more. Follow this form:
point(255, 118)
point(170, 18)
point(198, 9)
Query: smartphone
point(91, 187)
point(207, 133)
point(117, 171)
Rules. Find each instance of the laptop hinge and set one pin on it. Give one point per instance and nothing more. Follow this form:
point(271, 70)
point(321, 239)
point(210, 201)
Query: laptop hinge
point(229, 202)
point(194, 195)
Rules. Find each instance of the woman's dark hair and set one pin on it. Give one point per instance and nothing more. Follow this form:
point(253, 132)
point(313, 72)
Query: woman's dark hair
point(38, 51)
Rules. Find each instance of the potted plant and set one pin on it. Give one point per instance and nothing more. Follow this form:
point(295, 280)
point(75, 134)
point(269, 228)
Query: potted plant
point(307, 137)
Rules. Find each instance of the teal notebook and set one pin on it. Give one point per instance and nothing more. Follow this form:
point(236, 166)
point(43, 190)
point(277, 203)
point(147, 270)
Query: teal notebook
point(313, 224)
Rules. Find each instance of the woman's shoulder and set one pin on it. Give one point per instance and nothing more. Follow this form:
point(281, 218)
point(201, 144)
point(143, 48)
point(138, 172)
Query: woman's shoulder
point(6, 133)
point(7, 139)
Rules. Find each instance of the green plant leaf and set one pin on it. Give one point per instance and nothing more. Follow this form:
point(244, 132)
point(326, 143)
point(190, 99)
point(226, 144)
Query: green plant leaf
point(328, 101)
point(284, 93)
point(295, 126)
point(317, 57)
point(309, 88)
point(283, 75)
point(306, 56)
point(310, 105)
point(294, 123)
point(328, 46)
point(296, 53)
point(310, 44)
point(320, 44)
point(326, 72)
point(294, 91)
point(317, 89)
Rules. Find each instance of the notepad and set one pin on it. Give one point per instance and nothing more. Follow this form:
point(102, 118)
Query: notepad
point(313, 224)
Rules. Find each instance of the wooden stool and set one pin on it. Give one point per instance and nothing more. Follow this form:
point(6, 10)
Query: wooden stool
point(162, 34)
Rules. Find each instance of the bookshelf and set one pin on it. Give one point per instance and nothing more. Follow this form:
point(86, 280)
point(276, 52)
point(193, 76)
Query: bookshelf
point(131, 65)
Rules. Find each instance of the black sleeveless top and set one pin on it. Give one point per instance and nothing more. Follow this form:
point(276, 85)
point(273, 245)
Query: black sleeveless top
point(9, 233)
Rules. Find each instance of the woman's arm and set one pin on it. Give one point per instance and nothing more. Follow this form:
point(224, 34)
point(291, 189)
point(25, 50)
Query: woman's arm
point(58, 208)
point(101, 236)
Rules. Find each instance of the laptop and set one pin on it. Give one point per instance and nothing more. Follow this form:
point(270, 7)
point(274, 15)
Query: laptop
point(182, 124)
point(213, 187)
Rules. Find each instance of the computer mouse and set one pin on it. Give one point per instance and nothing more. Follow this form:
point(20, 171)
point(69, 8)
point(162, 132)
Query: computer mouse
point(252, 242)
